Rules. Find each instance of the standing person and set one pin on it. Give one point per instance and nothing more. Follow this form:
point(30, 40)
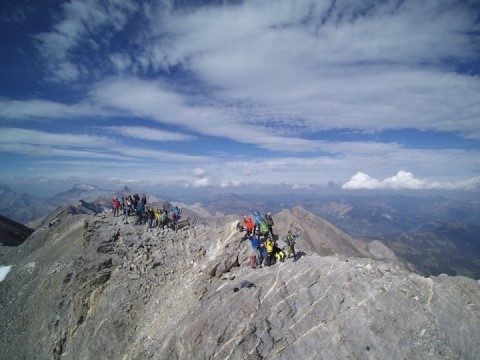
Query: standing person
point(173, 219)
point(151, 217)
point(140, 210)
point(291, 245)
point(116, 207)
point(128, 207)
point(158, 217)
point(269, 244)
point(121, 203)
point(270, 223)
point(264, 229)
point(249, 225)
point(164, 218)
point(256, 251)
point(258, 220)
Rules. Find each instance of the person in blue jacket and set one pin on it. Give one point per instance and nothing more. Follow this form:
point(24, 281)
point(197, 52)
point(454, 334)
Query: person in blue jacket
point(258, 219)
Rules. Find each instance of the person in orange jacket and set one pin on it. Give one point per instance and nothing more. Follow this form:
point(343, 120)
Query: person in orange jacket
point(249, 225)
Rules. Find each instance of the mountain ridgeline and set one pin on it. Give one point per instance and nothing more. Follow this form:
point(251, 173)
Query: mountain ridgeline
point(87, 285)
point(435, 234)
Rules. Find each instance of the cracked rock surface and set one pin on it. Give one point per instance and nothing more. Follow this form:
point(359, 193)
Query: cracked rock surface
point(92, 287)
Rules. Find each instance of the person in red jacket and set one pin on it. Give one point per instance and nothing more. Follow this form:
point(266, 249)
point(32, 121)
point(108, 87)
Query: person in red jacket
point(249, 224)
point(116, 207)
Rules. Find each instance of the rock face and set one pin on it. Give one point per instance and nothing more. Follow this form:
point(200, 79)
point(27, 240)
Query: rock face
point(91, 287)
point(13, 233)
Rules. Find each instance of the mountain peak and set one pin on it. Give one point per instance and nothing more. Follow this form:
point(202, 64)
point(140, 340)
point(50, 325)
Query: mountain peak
point(166, 294)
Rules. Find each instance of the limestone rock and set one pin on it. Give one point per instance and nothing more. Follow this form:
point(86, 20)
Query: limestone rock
point(92, 287)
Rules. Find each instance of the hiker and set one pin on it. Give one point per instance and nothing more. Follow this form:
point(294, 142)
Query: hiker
point(176, 210)
point(269, 246)
point(158, 217)
point(151, 217)
point(270, 223)
point(116, 207)
point(121, 203)
point(144, 200)
point(256, 251)
point(139, 211)
point(173, 219)
point(291, 245)
point(258, 219)
point(164, 218)
point(128, 208)
point(135, 200)
point(264, 230)
point(249, 225)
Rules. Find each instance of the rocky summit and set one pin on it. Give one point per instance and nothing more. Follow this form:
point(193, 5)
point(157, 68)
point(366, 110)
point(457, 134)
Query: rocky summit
point(89, 286)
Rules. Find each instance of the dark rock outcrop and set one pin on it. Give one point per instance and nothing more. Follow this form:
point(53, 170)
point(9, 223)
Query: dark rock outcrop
point(13, 233)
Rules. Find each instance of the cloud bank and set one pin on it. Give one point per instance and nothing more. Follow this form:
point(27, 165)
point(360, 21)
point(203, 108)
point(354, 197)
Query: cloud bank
point(405, 180)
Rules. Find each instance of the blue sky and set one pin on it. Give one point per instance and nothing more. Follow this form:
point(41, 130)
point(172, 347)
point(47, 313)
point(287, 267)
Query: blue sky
point(366, 95)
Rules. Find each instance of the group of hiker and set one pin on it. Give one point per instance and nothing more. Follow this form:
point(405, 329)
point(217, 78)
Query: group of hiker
point(259, 232)
point(137, 205)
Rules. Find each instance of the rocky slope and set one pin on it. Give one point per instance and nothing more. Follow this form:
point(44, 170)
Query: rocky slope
point(89, 286)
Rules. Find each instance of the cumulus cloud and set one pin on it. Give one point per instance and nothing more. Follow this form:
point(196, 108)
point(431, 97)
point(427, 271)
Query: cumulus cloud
point(200, 183)
point(229, 183)
point(405, 180)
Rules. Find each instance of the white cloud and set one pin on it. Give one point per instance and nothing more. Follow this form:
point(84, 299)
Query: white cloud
point(200, 183)
point(362, 181)
point(45, 109)
point(330, 90)
point(302, 186)
point(406, 180)
point(81, 21)
point(229, 183)
point(146, 133)
point(49, 139)
point(199, 172)
point(41, 143)
point(391, 90)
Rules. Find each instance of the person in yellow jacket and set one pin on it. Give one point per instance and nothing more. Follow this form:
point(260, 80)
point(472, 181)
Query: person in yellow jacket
point(269, 244)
